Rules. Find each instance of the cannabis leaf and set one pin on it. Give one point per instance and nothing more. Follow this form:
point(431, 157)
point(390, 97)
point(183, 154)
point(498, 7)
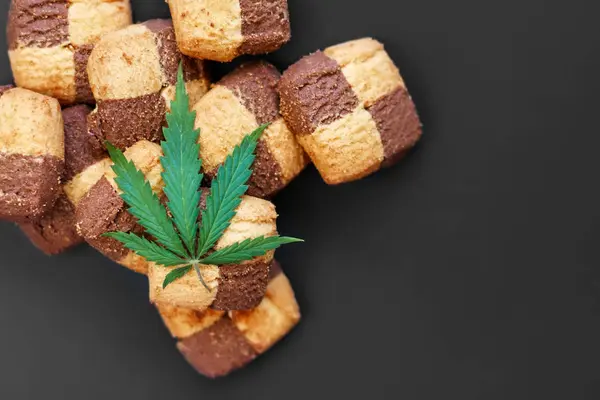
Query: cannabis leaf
point(179, 241)
point(247, 249)
point(147, 249)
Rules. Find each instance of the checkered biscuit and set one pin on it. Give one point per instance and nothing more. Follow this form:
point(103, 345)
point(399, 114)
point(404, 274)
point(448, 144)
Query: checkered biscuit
point(31, 153)
point(233, 286)
point(55, 232)
point(50, 41)
point(100, 209)
point(222, 30)
point(132, 73)
point(237, 105)
point(349, 109)
point(216, 343)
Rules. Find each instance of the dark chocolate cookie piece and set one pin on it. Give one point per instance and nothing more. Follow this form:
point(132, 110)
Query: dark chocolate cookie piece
point(55, 231)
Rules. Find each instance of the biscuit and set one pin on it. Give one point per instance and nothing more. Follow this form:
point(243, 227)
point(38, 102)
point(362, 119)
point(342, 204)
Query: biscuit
point(132, 74)
point(349, 108)
point(223, 30)
point(236, 106)
point(233, 286)
point(50, 41)
point(216, 344)
point(31, 153)
point(100, 209)
point(55, 232)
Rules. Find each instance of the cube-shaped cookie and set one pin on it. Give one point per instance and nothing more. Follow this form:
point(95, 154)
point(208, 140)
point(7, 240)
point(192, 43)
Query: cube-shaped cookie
point(50, 41)
point(222, 30)
point(236, 106)
point(55, 232)
point(132, 74)
point(100, 209)
point(234, 286)
point(350, 110)
point(31, 153)
point(215, 343)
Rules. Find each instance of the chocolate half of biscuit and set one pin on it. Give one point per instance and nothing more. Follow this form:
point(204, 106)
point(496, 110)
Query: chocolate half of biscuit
point(216, 344)
point(31, 154)
point(55, 232)
point(350, 109)
point(29, 185)
point(50, 42)
point(83, 147)
point(132, 74)
point(236, 106)
point(102, 211)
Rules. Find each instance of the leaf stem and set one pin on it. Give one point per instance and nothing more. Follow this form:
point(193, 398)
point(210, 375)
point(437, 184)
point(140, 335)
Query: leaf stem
point(199, 273)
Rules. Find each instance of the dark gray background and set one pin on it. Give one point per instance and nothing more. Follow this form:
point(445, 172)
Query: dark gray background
point(470, 271)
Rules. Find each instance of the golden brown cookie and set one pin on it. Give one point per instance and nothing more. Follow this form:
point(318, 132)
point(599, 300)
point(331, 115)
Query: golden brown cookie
point(50, 41)
point(55, 232)
point(216, 343)
point(222, 30)
point(236, 106)
point(31, 153)
point(349, 108)
point(132, 74)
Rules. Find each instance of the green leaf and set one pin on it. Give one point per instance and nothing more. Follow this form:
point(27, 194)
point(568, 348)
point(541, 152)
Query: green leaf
point(176, 274)
point(226, 191)
point(143, 202)
point(247, 250)
point(147, 249)
point(181, 165)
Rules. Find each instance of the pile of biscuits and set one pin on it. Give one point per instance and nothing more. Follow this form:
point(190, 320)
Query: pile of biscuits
point(85, 74)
